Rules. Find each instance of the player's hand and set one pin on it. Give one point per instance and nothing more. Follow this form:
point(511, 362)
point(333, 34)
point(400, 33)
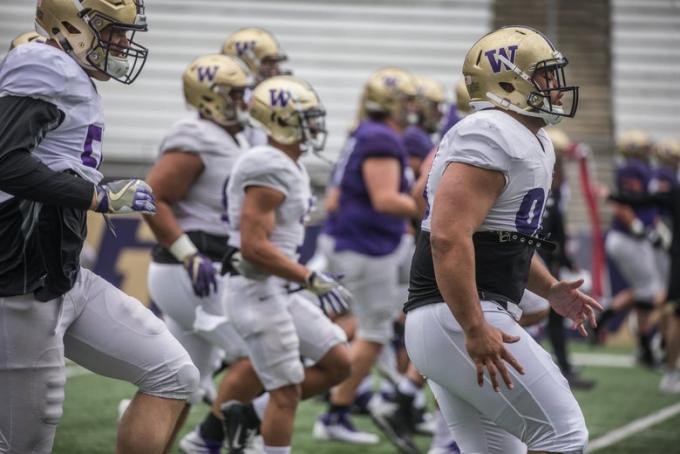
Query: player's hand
point(125, 196)
point(202, 274)
point(568, 301)
point(332, 295)
point(486, 348)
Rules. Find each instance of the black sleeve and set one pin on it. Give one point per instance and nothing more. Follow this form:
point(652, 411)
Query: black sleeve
point(23, 123)
point(655, 199)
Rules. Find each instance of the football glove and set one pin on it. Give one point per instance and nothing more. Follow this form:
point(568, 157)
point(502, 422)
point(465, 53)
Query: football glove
point(332, 295)
point(125, 196)
point(199, 267)
point(202, 274)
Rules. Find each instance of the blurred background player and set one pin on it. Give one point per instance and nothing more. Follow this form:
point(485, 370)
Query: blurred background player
point(51, 126)
point(418, 136)
point(189, 180)
point(459, 109)
point(628, 242)
point(269, 197)
point(368, 225)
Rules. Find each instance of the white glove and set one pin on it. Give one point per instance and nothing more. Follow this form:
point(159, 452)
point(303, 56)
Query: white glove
point(125, 196)
point(330, 292)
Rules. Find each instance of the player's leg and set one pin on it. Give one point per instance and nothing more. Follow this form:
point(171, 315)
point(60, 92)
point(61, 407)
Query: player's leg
point(540, 410)
point(32, 375)
point(116, 336)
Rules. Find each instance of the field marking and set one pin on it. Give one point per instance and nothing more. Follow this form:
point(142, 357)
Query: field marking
point(633, 427)
point(603, 359)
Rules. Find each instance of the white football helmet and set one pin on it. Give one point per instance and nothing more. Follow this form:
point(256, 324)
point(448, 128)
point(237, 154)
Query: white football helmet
point(290, 112)
point(83, 27)
point(500, 71)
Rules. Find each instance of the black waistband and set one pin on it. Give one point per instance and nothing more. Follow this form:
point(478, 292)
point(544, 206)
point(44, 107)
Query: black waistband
point(212, 246)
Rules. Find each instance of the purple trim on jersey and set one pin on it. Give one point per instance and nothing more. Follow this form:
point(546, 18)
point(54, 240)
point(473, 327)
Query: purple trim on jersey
point(451, 119)
point(417, 142)
point(357, 226)
point(667, 175)
point(635, 170)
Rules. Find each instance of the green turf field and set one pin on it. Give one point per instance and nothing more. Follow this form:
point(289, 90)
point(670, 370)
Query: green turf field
point(622, 395)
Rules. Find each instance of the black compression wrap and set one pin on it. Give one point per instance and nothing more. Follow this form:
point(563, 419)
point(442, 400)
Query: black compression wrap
point(23, 124)
point(502, 262)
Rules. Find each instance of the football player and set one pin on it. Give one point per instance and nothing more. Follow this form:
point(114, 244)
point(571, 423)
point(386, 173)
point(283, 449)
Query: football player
point(27, 37)
point(475, 256)
point(268, 198)
point(51, 126)
point(368, 225)
point(418, 136)
point(458, 110)
point(258, 49)
point(629, 242)
point(189, 182)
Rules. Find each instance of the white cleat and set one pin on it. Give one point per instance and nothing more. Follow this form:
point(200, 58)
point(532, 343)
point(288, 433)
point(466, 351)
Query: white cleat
point(193, 443)
point(342, 430)
point(669, 384)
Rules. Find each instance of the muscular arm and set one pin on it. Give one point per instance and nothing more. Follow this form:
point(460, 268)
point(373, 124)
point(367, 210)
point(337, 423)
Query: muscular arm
point(382, 178)
point(258, 218)
point(171, 177)
point(23, 123)
point(464, 197)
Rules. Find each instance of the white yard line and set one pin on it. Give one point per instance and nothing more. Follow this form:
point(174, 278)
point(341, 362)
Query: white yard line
point(633, 427)
point(603, 359)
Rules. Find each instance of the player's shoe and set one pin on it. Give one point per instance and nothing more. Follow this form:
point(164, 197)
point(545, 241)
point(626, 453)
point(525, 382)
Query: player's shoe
point(669, 384)
point(425, 423)
point(339, 427)
point(194, 443)
point(241, 426)
point(397, 425)
point(451, 448)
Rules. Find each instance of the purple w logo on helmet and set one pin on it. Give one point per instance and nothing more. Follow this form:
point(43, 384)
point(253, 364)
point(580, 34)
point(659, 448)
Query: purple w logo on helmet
point(244, 46)
point(390, 81)
point(496, 62)
point(279, 97)
point(206, 73)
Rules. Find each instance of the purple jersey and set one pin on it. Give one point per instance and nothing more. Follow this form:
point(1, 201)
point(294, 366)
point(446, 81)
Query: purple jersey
point(418, 142)
point(356, 225)
point(635, 175)
point(451, 119)
point(666, 178)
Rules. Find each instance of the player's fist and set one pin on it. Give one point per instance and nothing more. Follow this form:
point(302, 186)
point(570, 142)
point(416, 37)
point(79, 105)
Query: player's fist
point(125, 196)
point(202, 274)
point(332, 295)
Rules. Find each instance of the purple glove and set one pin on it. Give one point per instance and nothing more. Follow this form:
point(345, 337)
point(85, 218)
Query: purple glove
point(202, 274)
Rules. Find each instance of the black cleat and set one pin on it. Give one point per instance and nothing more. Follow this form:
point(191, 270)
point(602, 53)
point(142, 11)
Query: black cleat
point(397, 425)
point(241, 425)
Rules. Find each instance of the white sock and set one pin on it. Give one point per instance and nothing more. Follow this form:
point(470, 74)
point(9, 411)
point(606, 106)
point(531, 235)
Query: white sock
point(442, 434)
point(276, 449)
point(260, 404)
point(406, 386)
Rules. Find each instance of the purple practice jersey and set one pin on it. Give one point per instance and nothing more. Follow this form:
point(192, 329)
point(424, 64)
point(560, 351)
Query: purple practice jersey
point(357, 226)
point(635, 175)
point(666, 178)
point(451, 119)
point(418, 142)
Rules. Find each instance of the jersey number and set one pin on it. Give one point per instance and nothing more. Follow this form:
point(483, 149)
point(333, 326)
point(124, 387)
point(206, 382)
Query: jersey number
point(529, 214)
point(94, 134)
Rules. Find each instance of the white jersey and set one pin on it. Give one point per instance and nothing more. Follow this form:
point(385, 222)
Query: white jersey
point(204, 207)
point(266, 166)
point(492, 139)
point(43, 72)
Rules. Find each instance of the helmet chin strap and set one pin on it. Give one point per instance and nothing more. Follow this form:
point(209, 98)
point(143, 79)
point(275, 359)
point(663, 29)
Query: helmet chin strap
point(504, 103)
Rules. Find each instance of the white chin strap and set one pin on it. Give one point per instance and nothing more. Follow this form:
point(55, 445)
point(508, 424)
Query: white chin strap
point(117, 66)
point(504, 103)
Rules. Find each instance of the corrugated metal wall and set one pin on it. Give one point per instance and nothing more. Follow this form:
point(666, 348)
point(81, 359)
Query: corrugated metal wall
point(333, 44)
point(646, 66)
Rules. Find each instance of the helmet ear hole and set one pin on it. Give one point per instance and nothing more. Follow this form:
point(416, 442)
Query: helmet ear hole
point(71, 29)
point(507, 86)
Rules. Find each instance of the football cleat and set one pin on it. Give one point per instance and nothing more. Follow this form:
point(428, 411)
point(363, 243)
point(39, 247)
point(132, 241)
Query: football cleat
point(194, 443)
point(397, 425)
point(241, 425)
point(339, 427)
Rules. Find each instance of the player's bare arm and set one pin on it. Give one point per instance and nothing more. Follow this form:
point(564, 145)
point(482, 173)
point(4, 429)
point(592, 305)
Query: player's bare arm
point(382, 177)
point(258, 217)
point(464, 197)
point(170, 178)
point(564, 296)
